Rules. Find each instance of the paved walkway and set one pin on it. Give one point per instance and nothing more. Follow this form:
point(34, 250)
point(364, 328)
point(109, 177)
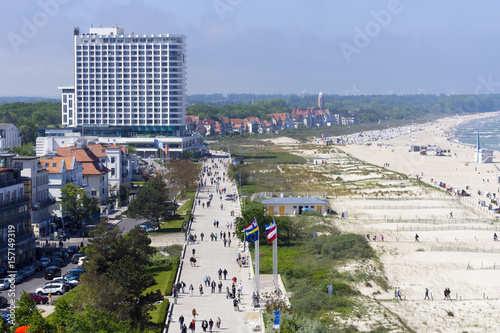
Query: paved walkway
point(210, 256)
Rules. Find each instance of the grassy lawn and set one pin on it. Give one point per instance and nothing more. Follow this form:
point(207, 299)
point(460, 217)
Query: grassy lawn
point(159, 314)
point(162, 275)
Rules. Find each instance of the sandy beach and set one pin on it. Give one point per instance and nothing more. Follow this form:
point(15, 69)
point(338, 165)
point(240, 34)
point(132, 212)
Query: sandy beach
point(455, 248)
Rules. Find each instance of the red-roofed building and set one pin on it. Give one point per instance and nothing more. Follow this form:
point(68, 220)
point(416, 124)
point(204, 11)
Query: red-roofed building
point(62, 170)
point(237, 125)
point(95, 174)
point(251, 125)
point(281, 121)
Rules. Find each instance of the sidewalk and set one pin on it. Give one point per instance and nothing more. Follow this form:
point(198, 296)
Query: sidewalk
point(210, 256)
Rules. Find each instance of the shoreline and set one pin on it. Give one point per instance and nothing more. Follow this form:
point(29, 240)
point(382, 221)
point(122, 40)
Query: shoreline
point(487, 115)
point(457, 168)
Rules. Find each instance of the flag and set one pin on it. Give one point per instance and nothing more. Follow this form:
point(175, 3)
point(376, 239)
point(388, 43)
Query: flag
point(276, 323)
point(252, 231)
point(271, 232)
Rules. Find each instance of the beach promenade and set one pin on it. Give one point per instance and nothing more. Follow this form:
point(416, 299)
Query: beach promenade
point(211, 256)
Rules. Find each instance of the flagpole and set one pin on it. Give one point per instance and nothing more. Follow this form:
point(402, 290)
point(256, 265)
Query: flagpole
point(275, 264)
point(257, 270)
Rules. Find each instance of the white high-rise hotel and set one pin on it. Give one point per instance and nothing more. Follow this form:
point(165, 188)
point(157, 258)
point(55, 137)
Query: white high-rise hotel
point(132, 80)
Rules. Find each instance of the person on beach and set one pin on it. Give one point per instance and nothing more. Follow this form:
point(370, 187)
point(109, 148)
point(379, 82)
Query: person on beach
point(426, 294)
point(399, 294)
point(416, 238)
point(495, 237)
point(368, 237)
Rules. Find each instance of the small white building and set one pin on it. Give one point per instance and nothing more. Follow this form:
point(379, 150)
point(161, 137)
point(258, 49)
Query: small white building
point(9, 136)
point(484, 156)
point(62, 170)
point(294, 206)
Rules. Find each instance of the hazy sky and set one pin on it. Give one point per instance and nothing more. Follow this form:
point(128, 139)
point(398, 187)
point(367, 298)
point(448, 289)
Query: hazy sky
point(258, 46)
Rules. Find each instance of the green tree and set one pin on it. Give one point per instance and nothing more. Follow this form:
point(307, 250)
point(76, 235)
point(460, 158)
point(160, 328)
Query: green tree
point(63, 314)
point(90, 206)
point(117, 275)
point(26, 149)
point(124, 192)
point(93, 320)
point(76, 202)
point(183, 174)
point(151, 200)
point(26, 314)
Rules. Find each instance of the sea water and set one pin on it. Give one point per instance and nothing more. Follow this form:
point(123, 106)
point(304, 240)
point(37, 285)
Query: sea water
point(489, 133)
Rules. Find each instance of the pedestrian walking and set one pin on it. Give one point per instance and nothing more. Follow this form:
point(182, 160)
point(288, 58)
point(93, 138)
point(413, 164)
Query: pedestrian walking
point(225, 273)
point(220, 286)
point(183, 285)
point(201, 290)
point(204, 325)
point(192, 325)
point(194, 251)
point(218, 322)
point(416, 238)
point(191, 290)
point(181, 321)
point(220, 273)
point(426, 294)
point(210, 324)
point(202, 235)
point(214, 285)
point(235, 305)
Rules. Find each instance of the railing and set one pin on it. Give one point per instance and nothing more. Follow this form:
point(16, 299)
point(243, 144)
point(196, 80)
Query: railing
point(14, 202)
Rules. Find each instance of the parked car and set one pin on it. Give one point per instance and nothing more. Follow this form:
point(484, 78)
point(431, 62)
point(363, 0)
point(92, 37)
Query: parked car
point(76, 257)
point(71, 283)
point(4, 284)
point(39, 299)
point(3, 301)
point(74, 274)
point(52, 288)
point(45, 262)
point(148, 226)
point(73, 249)
point(38, 266)
point(30, 270)
point(66, 286)
point(20, 275)
point(52, 272)
point(229, 197)
point(57, 262)
point(5, 314)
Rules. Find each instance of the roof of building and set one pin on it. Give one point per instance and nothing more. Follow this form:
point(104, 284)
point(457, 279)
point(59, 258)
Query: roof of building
point(86, 156)
point(295, 200)
point(4, 126)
